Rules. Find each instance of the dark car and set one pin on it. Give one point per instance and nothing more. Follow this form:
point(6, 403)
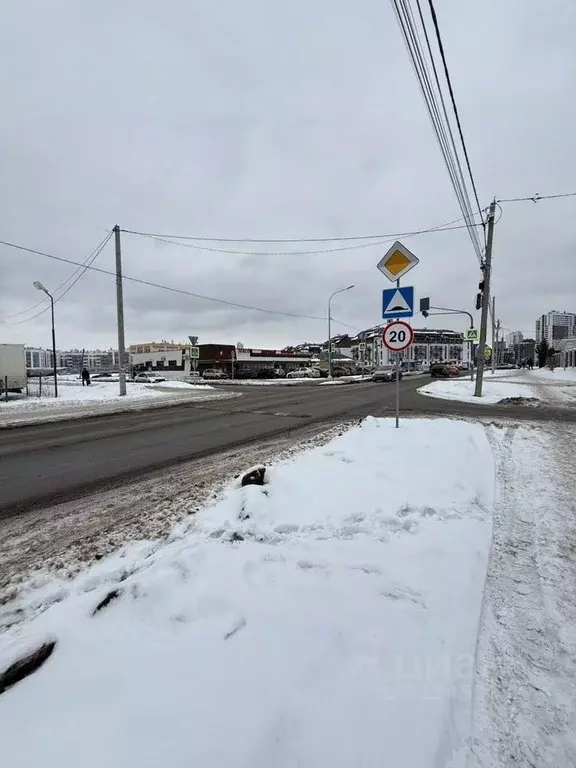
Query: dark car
point(386, 373)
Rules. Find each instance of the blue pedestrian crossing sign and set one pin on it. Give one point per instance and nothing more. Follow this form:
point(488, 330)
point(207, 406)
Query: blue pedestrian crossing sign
point(398, 302)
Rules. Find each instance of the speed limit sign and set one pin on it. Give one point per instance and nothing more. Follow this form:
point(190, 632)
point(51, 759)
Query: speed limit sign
point(397, 336)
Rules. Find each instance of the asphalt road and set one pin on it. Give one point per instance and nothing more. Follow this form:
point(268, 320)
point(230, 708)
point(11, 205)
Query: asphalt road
point(59, 461)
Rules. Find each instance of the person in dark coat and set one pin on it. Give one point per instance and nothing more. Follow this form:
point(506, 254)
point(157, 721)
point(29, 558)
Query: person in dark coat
point(85, 377)
point(530, 364)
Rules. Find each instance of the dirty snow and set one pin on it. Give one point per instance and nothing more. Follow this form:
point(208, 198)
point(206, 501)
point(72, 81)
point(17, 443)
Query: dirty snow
point(328, 618)
point(493, 390)
point(525, 698)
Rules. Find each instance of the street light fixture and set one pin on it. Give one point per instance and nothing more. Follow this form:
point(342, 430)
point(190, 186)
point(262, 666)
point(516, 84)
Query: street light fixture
point(341, 290)
point(37, 284)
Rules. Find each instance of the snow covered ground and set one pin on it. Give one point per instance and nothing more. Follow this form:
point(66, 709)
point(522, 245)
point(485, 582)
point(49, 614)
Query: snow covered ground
point(100, 397)
point(72, 391)
point(493, 390)
point(559, 375)
point(327, 618)
point(525, 697)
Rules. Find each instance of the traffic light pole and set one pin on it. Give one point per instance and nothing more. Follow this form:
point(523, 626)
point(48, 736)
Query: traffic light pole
point(485, 301)
point(447, 311)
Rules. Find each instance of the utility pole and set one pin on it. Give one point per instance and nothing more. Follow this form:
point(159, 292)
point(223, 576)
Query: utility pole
point(120, 312)
point(496, 355)
point(494, 334)
point(487, 269)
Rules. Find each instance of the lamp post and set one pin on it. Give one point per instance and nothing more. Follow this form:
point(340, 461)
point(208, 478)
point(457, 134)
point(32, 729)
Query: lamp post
point(40, 287)
point(341, 290)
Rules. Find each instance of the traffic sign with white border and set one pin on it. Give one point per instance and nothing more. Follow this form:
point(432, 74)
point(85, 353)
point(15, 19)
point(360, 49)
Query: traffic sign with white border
point(397, 261)
point(397, 336)
point(398, 302)
point(471, 334)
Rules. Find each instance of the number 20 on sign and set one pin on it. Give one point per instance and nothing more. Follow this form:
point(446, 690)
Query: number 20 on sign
point(397, 336)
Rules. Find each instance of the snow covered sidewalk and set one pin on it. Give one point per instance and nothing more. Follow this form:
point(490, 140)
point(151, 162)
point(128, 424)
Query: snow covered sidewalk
point(525, 703)
point(553, 388)
point(327, 618)
point(494, 390)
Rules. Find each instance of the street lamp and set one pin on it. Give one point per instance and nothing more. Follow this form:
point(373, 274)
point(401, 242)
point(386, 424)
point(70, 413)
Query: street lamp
point(40, 287)
point(330, 331)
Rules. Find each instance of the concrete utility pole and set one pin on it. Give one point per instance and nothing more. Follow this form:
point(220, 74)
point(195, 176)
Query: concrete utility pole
point(485, 300)
point(496, 357)
point(493, 357)
point(120, 312)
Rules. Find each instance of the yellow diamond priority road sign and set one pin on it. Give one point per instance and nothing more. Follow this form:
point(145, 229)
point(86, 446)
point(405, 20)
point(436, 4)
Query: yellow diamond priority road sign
point(397, 262)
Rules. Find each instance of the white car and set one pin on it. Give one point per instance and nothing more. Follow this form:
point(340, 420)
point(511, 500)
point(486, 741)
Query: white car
point(304, 373)
point(148, 378)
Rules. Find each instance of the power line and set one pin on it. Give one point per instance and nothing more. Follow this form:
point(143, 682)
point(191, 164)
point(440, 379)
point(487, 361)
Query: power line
point(440, 125)
point(83, 267)
point(535, 198)
point(390, 238)
point(89, 259)
point(383, 238)
point(452, 98)
point(163, 287)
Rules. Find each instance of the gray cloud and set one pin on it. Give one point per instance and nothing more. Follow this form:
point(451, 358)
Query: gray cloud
point(271, 120)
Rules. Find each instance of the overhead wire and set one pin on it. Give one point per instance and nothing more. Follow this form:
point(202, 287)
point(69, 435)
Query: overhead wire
point(389, 238)
point(82, 269)
point(87, 260)
point(535, 198)
point(442, 128)
point(448, 136)
point(152, 284)
point(452, 97)
point(381, 236)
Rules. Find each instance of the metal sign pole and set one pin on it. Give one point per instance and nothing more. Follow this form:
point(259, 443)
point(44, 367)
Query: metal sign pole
point(397, 379)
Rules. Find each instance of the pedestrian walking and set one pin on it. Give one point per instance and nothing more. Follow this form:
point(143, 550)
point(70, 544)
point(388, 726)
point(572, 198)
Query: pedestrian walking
point(85, 377)
point(530, 364)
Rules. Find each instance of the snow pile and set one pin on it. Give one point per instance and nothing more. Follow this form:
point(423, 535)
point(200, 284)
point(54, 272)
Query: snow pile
point(327, 618)
point(71, 392)
point(189, 386)
point(493, 391)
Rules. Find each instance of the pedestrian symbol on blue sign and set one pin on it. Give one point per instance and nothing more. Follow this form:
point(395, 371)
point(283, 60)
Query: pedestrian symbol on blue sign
point(398, 302)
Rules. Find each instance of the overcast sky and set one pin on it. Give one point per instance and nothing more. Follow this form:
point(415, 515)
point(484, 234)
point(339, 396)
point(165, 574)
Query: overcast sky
point(274, 119)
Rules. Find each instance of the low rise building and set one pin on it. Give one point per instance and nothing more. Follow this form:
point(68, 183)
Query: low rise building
point(430, 345)
point(566, 356)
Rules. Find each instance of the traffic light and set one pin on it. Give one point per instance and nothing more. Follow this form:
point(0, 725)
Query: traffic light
point(480, 296)
point(425, 306)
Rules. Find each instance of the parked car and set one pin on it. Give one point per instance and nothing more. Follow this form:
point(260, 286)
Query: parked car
point(444, 370)
point(340, 370)
point(148, 378)
point(279, 373)
point(386, 373)
point(304, 373)
point(214, 373)
point(194, 375)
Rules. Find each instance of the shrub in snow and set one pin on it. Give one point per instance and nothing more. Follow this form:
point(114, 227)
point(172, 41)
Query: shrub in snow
point(254, 476)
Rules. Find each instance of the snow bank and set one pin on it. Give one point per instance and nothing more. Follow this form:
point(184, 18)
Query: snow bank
point(493, 391)
point(70, 392)
point(327, 618)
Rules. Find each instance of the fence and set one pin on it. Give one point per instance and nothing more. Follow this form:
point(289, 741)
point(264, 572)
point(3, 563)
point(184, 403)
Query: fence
point(40, 386)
